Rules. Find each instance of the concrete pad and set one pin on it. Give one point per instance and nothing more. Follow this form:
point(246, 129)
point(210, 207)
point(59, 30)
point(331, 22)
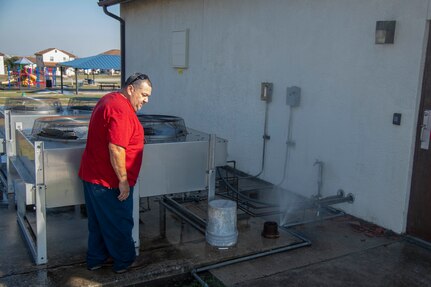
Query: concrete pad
point(330, 239)
point(180, 251)
point(340, 255)
point(396, 264)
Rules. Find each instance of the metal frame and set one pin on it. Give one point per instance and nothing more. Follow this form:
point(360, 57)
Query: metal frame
point(13, 121)
point(35, 240)
point(211, 167)
point(31, 173)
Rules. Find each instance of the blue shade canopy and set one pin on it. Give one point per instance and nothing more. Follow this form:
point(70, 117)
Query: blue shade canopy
point(23, 61)
point(103, 62)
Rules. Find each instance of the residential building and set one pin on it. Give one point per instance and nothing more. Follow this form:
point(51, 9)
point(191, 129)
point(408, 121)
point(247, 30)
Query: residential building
point(52, 56)
point(2, 67)
point(116, 52)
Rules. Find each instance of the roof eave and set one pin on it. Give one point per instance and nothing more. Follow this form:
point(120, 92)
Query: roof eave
point(111, 2)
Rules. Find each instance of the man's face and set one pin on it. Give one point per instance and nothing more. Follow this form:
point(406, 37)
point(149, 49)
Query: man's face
point(139, 96)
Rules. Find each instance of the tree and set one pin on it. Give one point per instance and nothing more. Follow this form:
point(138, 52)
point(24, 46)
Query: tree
point(9, 62)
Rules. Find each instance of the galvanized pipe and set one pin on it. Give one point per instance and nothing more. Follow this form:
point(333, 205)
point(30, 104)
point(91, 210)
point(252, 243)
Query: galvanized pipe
point(319, 177)
point(336, 199)
point(211, 167)
point(341, 213)
point(340, 194)
point(185, 214)
point(180, 208)
point(305, 242)
point(200, 280)
point(242, 195)
point(185, 218)
point(265, 137)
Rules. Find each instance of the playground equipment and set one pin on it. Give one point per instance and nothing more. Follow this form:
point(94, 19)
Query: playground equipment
point(27, 79)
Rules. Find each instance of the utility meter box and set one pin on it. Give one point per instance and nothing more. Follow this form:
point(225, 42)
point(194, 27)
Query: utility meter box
point(293, 96)
point(266, 92)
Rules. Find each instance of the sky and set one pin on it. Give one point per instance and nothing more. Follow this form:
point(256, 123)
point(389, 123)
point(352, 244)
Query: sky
point(79, 27)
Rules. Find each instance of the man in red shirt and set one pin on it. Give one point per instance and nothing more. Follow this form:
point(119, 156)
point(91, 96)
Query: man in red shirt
point(109, 169)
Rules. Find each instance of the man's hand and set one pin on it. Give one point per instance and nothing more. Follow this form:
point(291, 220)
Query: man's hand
point(118, 161)
point(124, 190)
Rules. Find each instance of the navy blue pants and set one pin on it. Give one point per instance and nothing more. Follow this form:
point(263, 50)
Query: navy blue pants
point(110, 224)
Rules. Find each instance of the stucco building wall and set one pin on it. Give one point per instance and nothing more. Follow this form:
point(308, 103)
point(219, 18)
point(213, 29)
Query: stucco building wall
point(350, 88)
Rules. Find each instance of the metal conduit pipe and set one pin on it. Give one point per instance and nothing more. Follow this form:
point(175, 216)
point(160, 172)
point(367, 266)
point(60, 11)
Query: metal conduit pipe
point(340, 194)
point(179, 211)
point(188, 220)
point(185, 215)
point(349, 198)
point(334, 199)
point(242, 195)
point(319, 164)
point(417, 241)
point(325, 202)
point(341, 213)
point(245, 202)
point(180, 208)
point(122, 41)
point(304, 242)
point(247, 207)
point(265, 138)
point(289, 143)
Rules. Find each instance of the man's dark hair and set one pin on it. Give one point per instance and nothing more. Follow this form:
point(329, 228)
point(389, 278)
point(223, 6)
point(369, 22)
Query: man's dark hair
point(136, 79)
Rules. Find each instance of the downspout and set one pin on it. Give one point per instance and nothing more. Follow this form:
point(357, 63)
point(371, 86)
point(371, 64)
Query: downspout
point(122, 43)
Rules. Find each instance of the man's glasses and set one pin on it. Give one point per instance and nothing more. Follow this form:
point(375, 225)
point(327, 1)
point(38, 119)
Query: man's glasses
point(136, 77)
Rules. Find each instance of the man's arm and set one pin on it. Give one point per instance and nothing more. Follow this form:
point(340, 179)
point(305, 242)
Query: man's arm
point(118, 161)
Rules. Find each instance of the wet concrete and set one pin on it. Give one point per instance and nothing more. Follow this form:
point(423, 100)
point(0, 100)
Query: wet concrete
point(182, 249)
point(396, 264)
point(340, 255)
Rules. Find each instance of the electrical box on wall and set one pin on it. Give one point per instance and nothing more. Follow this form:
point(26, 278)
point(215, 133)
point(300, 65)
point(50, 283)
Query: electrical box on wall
point(396, 119)
point(293, 96)
point(266, 91)
point(180, 47)
point(385, 32)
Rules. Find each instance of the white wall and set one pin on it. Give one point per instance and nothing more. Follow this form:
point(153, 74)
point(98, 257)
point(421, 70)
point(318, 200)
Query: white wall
point(350, 88)
point(2, 68)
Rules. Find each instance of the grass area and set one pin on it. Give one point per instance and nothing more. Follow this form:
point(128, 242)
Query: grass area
point(82, 76)
point(84, 90)
point(69, 82)
point(64, 98)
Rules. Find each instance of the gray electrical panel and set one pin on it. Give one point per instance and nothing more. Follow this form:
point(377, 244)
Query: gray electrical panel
point(293, 96)
point(266, 92)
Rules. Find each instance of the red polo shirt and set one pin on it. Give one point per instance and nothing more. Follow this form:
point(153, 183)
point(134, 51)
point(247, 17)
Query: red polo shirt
point(113, 121)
